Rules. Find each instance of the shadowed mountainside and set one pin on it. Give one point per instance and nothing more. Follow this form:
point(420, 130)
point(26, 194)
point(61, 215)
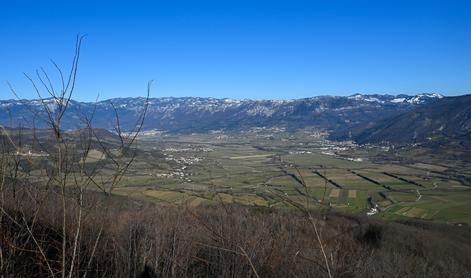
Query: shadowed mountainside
point(444, 121)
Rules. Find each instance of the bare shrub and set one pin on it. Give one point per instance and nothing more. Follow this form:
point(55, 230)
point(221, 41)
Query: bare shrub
point(65, 221)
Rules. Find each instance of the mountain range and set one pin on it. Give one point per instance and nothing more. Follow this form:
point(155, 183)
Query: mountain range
point(364, 118)
point(195, 114)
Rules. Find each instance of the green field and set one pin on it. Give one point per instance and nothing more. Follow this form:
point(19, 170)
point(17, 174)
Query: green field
point(271, 169)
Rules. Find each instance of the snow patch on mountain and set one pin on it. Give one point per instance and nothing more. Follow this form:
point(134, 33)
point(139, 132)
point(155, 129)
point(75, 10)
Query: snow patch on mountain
point(398, 100)
point(367, 98)
point(260, 110)
point(421, 98)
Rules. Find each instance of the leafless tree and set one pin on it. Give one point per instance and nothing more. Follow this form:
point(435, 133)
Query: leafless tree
point(68, 178)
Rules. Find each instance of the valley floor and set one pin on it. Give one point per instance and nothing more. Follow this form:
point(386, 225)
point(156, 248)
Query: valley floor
point(260, 167)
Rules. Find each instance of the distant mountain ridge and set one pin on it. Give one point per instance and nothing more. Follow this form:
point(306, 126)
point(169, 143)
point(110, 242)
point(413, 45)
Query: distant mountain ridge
point(444, 121)
point(197, 114)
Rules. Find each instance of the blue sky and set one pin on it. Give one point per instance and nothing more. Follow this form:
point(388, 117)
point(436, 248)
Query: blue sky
point(241, 49)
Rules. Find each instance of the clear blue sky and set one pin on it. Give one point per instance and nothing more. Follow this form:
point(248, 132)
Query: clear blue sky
point(242, 49)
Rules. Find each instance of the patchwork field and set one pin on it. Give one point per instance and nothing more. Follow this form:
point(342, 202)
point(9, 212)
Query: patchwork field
point(271, 171)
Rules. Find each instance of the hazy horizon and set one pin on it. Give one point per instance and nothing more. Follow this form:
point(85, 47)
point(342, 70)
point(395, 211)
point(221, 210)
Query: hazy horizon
point(238, 99)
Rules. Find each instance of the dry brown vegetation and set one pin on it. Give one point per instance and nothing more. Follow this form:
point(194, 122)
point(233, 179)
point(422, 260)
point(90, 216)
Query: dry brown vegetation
point(123, 238)
point(69, 224)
